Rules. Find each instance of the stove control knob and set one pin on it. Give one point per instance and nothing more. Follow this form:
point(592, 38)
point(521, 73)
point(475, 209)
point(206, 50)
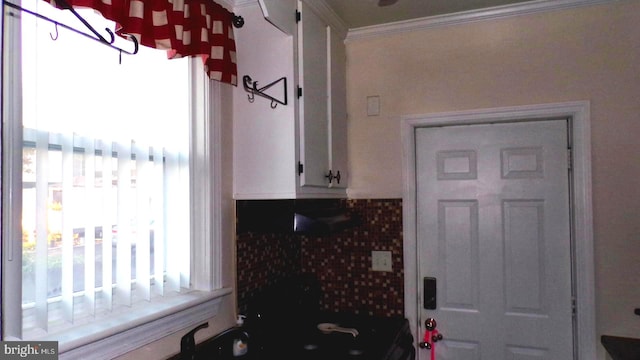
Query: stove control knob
point(424, 345)
point(436, 338)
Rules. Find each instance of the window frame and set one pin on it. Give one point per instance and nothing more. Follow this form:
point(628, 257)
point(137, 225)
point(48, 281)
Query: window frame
point(205, 173)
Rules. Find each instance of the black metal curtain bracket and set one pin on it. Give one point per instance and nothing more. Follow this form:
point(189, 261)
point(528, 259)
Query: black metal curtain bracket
point(238, 21)
point(65, 6)
point(251, 87)
point(99, 38)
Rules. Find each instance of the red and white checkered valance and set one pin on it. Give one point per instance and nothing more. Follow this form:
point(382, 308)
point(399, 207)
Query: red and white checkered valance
point(183, 27)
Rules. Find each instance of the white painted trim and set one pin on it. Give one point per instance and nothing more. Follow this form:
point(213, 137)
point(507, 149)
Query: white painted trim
point(584, 281)
point(196, 312)
point(327, 13)
point(206, 180)
point(11, 239)
point(215, 151)
point(429, 22)
point(493, 13)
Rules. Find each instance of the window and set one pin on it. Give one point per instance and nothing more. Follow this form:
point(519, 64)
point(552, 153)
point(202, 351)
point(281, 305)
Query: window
point(103, 175)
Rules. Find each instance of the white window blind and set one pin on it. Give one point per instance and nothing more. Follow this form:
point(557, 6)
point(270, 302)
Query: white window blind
point(100, 211)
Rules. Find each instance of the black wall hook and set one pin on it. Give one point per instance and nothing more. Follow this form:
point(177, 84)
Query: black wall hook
point(251, 87)
point(54, 38)
point(99, 38)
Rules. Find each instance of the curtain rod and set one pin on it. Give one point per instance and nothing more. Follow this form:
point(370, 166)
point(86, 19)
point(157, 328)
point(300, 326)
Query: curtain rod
point(238, 22)
point(99, 38)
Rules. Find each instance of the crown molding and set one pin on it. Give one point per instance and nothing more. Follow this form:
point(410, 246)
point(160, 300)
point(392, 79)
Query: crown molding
point(319, 6)
point(493, 13)
point(327, 13)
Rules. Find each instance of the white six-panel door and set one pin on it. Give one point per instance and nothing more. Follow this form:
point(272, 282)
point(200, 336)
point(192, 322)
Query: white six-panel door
point(493, 227)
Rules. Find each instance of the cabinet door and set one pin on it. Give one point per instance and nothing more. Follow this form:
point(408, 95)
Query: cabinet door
point(338, 109)
point(280, 13)
point(313, 71)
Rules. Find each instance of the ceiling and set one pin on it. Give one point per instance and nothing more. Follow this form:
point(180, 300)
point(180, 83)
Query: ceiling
point(362, 13)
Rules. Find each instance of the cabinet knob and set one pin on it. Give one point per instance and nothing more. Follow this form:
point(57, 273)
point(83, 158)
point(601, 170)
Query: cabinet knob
point(332, 177)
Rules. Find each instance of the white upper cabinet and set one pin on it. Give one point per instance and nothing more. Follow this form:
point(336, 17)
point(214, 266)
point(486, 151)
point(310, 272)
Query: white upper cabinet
point(313, 55)
point(297, 150)
point(279, 13)
point(337, 108)
point(322, 71)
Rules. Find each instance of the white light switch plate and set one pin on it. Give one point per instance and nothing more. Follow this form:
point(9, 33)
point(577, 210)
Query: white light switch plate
point(373, 105)
point(381, 261)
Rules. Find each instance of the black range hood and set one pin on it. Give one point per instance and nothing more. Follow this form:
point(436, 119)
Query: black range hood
point(303, 216)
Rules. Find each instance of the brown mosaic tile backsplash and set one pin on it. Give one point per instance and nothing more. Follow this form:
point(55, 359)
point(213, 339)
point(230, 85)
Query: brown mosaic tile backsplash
point(263, 260)
point(341, 261)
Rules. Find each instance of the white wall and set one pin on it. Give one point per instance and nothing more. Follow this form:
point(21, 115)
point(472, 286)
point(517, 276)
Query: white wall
point(589, 53)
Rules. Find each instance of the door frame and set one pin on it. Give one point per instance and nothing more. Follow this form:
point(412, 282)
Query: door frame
point(581, 204)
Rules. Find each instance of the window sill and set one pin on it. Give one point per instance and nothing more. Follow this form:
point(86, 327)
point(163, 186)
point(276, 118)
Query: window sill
point(129, 331)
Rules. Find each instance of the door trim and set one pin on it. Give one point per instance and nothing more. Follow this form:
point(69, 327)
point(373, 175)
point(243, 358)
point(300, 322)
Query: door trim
point(582, 227)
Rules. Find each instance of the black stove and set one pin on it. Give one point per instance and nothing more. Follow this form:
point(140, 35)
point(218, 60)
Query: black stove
point(364, 337)
point(285, 323)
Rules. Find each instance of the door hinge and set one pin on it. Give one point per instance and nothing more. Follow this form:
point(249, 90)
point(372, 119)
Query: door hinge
point(300, 168)
point(299, 92)
point(569, 159)
point(574, 306)
point(298, 16)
